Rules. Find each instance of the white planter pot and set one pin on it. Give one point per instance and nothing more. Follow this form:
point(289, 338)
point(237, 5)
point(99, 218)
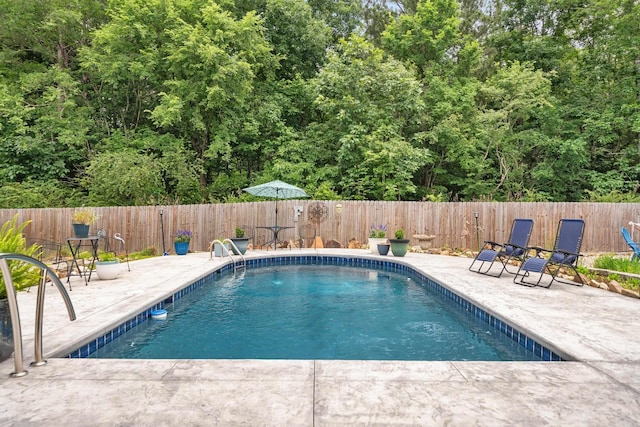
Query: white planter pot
point(108, 270)
point(373, 244)
point(218, 251)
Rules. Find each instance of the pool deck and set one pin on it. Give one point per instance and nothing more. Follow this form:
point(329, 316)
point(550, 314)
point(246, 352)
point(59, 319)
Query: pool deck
point(595, 328)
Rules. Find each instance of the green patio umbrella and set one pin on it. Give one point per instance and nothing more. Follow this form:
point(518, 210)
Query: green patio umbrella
point(277, 190)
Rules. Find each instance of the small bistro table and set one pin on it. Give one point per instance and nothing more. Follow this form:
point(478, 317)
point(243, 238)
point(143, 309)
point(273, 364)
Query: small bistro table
point(275, 229)
point(75, 244)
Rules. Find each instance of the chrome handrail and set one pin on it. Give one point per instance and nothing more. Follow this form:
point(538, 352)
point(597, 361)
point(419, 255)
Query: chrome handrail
point(15, 315)
point(225, 249)
point(237, 251)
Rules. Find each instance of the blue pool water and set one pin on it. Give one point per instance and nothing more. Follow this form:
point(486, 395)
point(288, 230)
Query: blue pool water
point(315, 312)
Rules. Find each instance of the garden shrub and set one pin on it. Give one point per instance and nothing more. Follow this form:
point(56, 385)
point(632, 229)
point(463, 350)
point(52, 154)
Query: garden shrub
point(12, 241)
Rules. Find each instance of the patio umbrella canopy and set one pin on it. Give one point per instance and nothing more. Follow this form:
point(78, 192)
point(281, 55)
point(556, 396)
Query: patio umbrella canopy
point(277, 190)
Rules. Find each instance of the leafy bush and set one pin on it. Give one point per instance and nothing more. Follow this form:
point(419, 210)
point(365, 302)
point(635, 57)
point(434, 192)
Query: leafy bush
point(38, 194)
point(107, 256)
point(12, 241)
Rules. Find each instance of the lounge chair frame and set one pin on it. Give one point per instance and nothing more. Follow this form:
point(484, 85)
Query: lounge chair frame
point(514, 249)
point(565, 254)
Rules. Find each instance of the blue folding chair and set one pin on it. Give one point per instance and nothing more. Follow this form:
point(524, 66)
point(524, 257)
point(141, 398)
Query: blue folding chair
point(565, 254)
point(635, 246)
point(515, 248)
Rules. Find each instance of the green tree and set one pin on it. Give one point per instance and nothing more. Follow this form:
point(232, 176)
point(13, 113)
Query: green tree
point(364, 140)
point(44, 130)
point(143, 168)
point(33, 193)
point(342, 16)
point(523, 154)
point(298, 39)
point(44, 121)
point(212, 64)
point(603, 108)
point(426, 38)
point(124, 63)
point(429, 39)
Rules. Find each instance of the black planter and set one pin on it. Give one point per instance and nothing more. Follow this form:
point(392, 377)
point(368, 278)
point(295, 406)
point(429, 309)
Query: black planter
point(241, 243)
point(80, 230)
point(383, 248)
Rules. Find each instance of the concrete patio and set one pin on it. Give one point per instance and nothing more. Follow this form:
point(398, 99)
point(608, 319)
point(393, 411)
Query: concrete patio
point(595, 329)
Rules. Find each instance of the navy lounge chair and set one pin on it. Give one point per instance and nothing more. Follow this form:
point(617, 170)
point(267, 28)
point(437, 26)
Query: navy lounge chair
point(565, 254)
point(515, 248)
point(635, 246)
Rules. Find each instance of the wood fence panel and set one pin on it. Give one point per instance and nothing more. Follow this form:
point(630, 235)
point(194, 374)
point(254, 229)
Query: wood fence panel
point(453, 224)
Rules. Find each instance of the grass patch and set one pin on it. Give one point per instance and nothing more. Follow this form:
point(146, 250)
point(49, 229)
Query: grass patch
point(615, 264)
point(149, 252)
point(610, 262)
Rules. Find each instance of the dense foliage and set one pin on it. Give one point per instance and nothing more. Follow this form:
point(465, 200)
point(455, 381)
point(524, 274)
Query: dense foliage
point(12, 241)
point(130, 102)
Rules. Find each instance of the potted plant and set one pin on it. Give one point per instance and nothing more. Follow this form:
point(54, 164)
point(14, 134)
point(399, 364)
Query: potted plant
point(218, 249)
point(425, 240)
point(240, 241)
point(23, 274)
point(108, 266)
point(399, 245)
point(181, 241)
point(383, 248)
point(377, 234)
point(82, 219)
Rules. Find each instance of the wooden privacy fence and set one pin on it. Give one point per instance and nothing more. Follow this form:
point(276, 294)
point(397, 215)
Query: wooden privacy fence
point(453, 224)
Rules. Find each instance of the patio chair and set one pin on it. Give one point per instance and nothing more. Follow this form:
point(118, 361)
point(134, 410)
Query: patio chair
point(51, 253)
point(514, 249)
point(635, 246)
point(565, 254)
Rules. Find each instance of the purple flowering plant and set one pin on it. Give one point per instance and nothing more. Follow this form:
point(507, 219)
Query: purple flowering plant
point(379, 231)
point(183, 236)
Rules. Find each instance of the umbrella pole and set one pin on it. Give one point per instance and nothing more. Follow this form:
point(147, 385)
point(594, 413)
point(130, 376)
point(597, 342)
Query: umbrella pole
point(275, 238)
point(164, 251)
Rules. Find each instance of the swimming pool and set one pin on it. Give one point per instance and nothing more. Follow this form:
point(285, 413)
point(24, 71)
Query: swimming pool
point(336, 329)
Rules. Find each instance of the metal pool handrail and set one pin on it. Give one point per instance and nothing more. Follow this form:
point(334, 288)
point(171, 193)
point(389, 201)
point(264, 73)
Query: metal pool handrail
point(224, 249)
point(15, 315)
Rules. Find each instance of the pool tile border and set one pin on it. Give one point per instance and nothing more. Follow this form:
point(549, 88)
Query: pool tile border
point(521, 338)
